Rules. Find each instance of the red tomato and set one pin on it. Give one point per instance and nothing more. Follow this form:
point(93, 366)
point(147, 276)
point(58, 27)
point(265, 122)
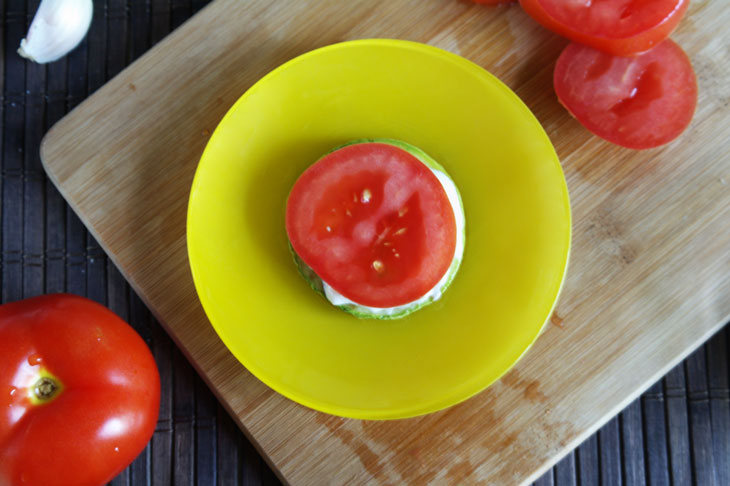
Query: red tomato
point(619, 27)
point(373, 222)
point(638, 102)
point(79, 392)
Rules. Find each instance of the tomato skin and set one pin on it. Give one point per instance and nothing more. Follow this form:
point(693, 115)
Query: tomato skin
point(637, 102)
point(105, 409)
point(611, 39)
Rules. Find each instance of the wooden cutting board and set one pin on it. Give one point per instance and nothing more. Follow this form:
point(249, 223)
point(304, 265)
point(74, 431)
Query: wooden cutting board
point(649, 278)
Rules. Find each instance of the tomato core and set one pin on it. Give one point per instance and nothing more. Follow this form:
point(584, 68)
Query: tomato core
point(45, 389)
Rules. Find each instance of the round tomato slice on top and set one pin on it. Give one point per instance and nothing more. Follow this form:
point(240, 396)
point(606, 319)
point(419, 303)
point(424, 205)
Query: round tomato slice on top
point(619, 27)
point(374, 223)
point(638, 102)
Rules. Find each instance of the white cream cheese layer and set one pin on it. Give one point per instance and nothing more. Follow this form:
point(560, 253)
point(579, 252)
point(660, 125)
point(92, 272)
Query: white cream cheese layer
point(435, 293)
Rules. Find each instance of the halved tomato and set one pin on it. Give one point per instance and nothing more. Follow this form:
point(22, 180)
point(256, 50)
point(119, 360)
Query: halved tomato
point(374, 223)
point(637, 102)
point(619, 27)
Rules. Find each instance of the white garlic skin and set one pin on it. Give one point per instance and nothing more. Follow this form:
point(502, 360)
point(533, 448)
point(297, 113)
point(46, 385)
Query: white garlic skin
point(58, 26)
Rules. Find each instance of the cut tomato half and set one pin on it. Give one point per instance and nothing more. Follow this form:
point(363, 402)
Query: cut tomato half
point(374, 223)
point(619, 27)
point(638, 102)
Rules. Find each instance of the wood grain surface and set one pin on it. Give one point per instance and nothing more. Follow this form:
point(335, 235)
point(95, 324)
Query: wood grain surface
point(649, 278)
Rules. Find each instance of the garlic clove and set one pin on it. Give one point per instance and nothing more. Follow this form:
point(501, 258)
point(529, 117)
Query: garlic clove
point(57, 27)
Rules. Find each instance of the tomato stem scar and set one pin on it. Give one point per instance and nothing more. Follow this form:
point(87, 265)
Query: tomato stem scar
point(45, 388)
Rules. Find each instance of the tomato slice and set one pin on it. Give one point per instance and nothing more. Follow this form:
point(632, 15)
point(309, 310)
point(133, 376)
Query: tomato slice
point(638, 102)
point(619, 27)
point(374, 223)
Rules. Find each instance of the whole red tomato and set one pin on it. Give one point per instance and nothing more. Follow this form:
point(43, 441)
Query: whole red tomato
point(79, 392)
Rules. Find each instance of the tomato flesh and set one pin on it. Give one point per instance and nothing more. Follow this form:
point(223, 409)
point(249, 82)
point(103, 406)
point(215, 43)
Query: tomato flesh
point(619, 27)
point(107, 392)
point(637, 102)
point(374, 223)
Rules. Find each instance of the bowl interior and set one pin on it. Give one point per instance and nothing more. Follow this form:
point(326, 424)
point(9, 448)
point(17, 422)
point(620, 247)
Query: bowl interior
point(517, 225)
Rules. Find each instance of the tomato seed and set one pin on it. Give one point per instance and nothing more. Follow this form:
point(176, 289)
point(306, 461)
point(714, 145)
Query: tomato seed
point(366, 195)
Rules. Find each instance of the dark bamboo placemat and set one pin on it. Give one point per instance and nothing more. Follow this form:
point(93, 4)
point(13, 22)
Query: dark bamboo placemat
point(678, 432)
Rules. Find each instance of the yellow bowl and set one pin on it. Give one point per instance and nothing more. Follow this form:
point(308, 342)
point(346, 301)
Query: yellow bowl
point(517, 224)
